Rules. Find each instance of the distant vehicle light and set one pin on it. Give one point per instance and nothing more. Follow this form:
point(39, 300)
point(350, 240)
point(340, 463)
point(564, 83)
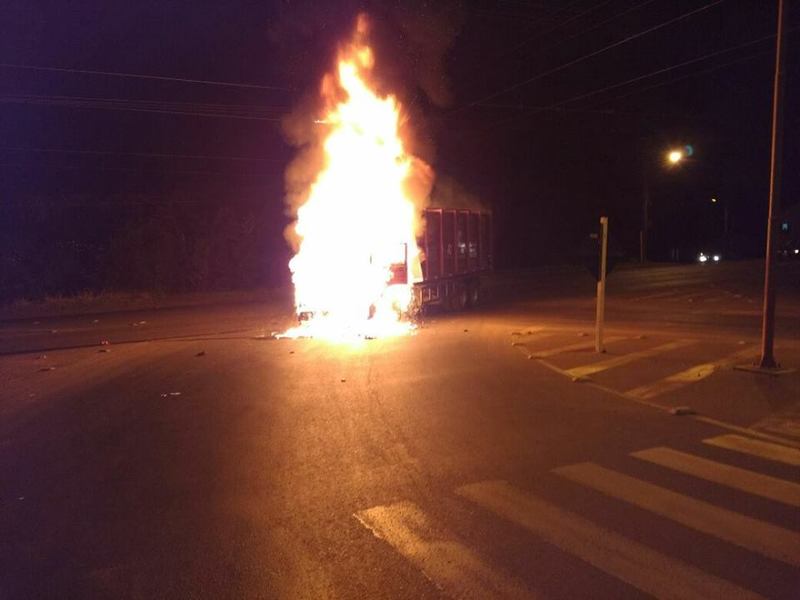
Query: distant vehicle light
point(702, 258)
point(716, 258)
point(797, 250)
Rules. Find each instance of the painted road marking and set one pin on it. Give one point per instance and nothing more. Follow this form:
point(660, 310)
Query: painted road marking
point(617, 361)
point(576, 347)
point(449, 565)
point(749, 533)
point(635, 564)
point(776, 452)
point(691, 375)
point(727, 475)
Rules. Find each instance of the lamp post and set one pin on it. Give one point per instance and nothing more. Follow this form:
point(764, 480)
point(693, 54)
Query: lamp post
point(673, 158)
point(767, 360)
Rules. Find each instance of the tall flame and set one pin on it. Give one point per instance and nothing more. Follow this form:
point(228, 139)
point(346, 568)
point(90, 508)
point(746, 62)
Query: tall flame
point(358, 221)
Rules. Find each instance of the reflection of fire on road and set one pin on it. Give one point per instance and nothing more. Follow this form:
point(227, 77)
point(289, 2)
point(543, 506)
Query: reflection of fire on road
point(356, 229)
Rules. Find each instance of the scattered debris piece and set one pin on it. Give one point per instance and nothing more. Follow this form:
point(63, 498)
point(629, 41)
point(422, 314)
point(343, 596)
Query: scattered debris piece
point(142, 322)
point(515, 333)
point(96, 321)
point(21, 498)
point(291, 351)
point(641, 337)
point(530, 332)
point(582, 334)
point(47, 369)
point(466, 331)
point(41, 356)
point(516, 344)
point(165, 394)
point(680, 411)
point(580, 379)
point(343, 380)
point(201, 353)
point(104, 350)
point(741, 342)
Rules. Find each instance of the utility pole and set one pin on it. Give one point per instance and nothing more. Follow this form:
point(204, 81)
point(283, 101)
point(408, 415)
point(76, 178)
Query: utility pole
point(645, 216)
point(601, 286)
point(768, 322)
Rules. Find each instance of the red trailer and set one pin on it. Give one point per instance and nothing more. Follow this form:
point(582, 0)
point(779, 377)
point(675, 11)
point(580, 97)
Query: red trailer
point(456, 248)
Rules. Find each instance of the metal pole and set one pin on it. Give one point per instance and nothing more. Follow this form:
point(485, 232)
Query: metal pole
point(768, 322)
point(601, 286)
point(645, 214)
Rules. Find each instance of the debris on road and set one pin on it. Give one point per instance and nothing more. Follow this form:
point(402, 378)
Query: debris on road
point(41, 356)
point(466, 331)
point(104, 350)
point(165, 394)
point(343, 380)
point(47, 369)
point(96, 321)
point(582, 334)
point(680, 411)
point(201, 353)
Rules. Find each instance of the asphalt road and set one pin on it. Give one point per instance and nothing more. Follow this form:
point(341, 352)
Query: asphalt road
point(490, 454)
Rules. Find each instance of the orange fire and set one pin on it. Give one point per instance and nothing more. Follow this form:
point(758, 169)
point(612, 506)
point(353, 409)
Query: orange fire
point(357, 256)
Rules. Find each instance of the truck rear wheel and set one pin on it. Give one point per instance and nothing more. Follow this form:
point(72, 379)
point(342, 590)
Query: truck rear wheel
point(474, 294)
point(461, 298)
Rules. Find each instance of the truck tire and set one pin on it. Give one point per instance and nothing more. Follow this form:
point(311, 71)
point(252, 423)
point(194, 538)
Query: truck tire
point(474, 293)
point(461, 298)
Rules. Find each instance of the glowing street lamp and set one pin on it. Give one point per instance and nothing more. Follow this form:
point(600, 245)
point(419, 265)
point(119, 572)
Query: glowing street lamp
point(675, 156)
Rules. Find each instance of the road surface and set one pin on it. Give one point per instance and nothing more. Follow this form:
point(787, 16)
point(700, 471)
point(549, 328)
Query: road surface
point(490, 454)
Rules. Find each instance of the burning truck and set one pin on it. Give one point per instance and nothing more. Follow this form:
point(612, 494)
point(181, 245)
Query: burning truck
point(368, 251)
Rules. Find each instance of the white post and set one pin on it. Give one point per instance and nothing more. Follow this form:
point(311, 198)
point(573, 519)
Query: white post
point(601, 286)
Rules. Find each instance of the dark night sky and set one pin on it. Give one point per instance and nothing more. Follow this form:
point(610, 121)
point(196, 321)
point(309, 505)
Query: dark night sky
point(504, 98)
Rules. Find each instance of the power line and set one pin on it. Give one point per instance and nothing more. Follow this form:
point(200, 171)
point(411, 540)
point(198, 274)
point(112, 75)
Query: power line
point(692, 74)
point(22, 165)
point(561, 103)
point(143, 76)
point(134, 106)
point(538, 35)
point(138, 154)
point(574, 17)
point(664, 70)
point(596, 52)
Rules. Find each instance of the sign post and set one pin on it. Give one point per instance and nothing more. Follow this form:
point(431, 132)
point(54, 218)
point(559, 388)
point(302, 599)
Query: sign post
point(601, 286)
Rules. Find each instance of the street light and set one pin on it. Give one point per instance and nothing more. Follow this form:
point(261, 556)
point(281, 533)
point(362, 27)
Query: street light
point(675, 156)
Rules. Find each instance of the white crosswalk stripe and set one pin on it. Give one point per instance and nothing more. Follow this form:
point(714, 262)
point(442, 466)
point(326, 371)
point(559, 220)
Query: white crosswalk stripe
point(451, 566)
point(460, 572)
point(744, 480)
point(749, 533)
point(624, 359)
point(643, 568)
point(687, 376)
point(770, 451)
